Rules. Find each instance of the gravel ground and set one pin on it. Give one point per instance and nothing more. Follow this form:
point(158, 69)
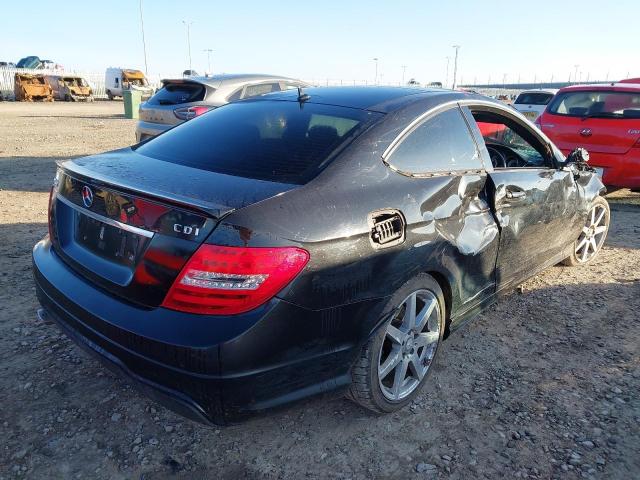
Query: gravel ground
point(543, 385)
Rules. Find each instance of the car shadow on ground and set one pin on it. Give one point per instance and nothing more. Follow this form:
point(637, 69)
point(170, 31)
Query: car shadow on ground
point(624, 233)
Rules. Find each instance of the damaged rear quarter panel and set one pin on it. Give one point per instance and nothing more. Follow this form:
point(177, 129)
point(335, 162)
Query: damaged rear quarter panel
point(450, 231)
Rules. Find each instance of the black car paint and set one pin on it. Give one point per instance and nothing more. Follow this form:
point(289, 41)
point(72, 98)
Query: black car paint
point(460, 228)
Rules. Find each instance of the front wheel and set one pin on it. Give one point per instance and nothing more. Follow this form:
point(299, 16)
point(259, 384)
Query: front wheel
point(592, 236)
point(394, 364)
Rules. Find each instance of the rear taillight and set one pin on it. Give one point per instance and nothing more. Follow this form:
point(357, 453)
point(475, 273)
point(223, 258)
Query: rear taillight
point(229, 280)
point(49, 219)
point(187, 113)
point(52, 196)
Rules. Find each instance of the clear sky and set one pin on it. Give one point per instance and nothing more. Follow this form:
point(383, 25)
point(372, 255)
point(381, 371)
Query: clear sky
point(334, 40)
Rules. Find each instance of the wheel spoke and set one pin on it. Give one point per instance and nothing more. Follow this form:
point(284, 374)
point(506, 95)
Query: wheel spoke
point(417, 369)
point(600, 229)
point(409, 320)
point(600, 217)
point(593, 215)
point(395, 334)
point(585, 230)
point(427, 338)
point(585, 252)
point(582, 243)
point(398, 380)
point(424, 315)
point(390, 363)
point(594, 245)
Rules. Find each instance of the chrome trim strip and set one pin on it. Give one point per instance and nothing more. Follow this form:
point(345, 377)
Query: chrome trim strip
point(108, 221)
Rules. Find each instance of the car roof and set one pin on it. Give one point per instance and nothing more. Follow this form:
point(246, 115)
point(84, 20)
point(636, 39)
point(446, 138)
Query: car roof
point(231, 79)
point(552, 91)
point(613, 86)
point(380, 99)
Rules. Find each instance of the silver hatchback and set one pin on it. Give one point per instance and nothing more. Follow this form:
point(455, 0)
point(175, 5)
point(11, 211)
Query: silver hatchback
point(182, 99)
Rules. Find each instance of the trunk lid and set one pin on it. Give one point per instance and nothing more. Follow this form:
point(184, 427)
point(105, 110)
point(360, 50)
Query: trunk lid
point(159, 114)
point(128, 223)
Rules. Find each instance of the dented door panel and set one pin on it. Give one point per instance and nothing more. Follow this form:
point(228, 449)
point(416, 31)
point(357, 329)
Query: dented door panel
point(537, 210)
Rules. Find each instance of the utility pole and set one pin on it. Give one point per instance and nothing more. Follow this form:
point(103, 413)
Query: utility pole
point(375, 81)
point(144, 44)
point(455, 67)
point(404, 69)
point(446, 80)
point(575, 75)
point(188, 25)
point(208, 50)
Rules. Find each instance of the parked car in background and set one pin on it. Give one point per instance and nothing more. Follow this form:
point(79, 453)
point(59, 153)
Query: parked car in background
point(184, 98)
point(116, 80)
point(604, 119)
point(30, 88)
point(29, 62)
point(291, 244)
point(70, 88)
point(531, 103)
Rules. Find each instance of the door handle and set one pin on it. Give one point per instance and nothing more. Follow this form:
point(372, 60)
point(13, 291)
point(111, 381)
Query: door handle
point(516, 194)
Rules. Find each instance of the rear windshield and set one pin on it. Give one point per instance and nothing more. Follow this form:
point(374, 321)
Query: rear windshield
point(278, 141)
point(177, 93)
point(534, 98)
point(603, 104)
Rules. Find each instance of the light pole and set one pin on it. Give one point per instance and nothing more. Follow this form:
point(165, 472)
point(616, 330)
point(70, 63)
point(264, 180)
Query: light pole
point(144, 44)
point(446, 79)
point(188, 25)
point(208, 50)
point(575, 75)
point(455, 67)
point(375, 81)
point(404, 69)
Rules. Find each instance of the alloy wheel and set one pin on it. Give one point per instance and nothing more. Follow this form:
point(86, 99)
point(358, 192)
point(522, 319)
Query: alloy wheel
point(411, 339)
point(593, 234)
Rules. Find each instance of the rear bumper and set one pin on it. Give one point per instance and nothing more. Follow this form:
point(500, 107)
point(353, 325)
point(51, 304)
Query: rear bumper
point(210, 369)
point(622, 171)
point(146, 130)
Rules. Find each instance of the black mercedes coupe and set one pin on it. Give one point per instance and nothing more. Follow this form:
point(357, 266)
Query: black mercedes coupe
point(307, 241)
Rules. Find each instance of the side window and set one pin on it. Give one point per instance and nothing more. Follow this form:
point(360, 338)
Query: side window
point(235, 95)
point(261, 89)
point(117, 82)
point(510, 144)
point(443, 143)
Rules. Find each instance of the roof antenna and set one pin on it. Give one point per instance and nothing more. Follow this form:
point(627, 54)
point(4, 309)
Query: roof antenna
point(302, 97)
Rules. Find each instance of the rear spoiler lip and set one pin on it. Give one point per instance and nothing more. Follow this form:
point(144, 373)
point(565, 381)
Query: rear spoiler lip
point(211, 210)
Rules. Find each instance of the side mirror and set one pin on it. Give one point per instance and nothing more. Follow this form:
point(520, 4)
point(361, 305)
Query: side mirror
point(578, 161)
point(578, 156)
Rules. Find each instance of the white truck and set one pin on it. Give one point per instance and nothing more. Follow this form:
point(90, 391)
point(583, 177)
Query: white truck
point(116, 80)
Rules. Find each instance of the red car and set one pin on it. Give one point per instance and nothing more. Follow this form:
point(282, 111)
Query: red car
point(604, 119)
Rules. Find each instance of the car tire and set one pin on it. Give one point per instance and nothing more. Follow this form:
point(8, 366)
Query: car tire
point(592, 236)
point(109, 95)
point(373, 385)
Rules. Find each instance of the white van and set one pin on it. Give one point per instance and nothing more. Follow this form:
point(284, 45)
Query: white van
point(118, 79)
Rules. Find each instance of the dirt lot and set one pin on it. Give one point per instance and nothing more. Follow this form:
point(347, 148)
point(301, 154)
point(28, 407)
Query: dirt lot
point(544, 385)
